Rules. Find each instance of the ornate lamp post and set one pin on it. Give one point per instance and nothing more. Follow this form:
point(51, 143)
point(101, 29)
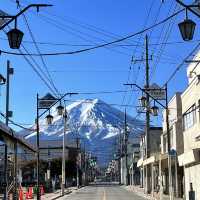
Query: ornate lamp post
point(143, 101)
point(49, 119)
point(154, 111)
point(15, 36)
point(46, 103)
point(63, 112)
point(187, 28)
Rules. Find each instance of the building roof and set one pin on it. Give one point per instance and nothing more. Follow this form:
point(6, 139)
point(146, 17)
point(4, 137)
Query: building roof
point(10, 134)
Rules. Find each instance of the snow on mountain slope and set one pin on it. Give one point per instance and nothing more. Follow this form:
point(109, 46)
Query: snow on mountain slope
point(96, 123)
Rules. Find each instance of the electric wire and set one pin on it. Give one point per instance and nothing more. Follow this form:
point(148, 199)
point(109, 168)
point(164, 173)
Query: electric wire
point(155, 20)
point(75, 33)
point(89, 45)
point(15, 124)
point(100, 45)
point(33, 67)
point(162, 47)
point(134, 52)
point(42, 59)
point(181, 64)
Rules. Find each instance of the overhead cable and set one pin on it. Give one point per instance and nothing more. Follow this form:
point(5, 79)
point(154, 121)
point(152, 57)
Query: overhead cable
point(98, 46)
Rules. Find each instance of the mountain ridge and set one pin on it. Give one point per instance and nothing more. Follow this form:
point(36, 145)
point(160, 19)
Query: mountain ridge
point(93, 120)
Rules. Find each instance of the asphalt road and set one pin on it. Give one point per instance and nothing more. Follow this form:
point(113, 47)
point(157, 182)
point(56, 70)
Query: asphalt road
point(102, 192)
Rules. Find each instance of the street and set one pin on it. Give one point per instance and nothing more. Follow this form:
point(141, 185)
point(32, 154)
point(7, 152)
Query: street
point(102, 192)
point(100, 100)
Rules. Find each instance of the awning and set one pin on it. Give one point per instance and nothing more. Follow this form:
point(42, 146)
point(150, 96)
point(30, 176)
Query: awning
point(198, 138)
point(150, 160)
point(164, 156)
point(139, 162)
point(189, 157)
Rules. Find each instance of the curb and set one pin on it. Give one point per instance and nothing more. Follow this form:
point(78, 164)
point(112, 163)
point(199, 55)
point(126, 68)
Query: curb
point(66, 193)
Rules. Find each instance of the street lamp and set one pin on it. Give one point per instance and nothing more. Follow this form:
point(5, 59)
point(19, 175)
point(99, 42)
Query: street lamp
point(60, 110)
point(49, 119)
point(187, 28)
point(15, 38)
point(143, 101)
point(154, 110)
point(46, 103)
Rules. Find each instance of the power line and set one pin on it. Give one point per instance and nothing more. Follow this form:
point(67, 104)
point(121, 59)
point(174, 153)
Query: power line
point(98, 46)
point(139, 68)
point(16, 124)
point(165, 38)
point(182, 63)
point(137, 44)
point(38, 50)
point(34, 68)
point(117, 45)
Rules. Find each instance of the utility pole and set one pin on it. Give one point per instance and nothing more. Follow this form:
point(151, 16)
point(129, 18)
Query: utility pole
point(15, 196)
point(171, 189)
point(85, 166)
point(146, 89)
point(147, 113)
point(126, 147)
point(77, 161)
point(5, 172)
point(120, 155)
point(10, 71)
point(63, 155)
point(38, 151)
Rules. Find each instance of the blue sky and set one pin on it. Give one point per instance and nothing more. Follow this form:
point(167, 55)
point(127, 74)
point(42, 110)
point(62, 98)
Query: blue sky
point(78, 24)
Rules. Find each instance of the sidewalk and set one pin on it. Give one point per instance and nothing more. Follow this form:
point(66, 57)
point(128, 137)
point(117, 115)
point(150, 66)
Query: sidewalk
point(57, 194)
point(140, 192)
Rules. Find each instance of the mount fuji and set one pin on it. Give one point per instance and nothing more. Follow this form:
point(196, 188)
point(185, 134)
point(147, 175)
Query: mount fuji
point(95, 122)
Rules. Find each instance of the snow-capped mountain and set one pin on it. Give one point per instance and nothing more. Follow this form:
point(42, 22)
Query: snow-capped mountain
point(95, 122)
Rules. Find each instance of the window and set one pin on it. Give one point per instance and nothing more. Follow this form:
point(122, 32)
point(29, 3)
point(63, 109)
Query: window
point(189, 117)
point(165, 144)
point(198, 110)
point(171, 136)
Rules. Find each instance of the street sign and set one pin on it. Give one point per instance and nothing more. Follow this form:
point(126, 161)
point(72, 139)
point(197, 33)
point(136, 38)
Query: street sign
point(47, 101)
point(156, 92)
point(172, 152)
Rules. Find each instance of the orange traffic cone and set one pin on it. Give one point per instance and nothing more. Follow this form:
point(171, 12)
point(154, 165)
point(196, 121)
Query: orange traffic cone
point(30, 191)
point(41, 190)
point(21, 194)
point(27, 194)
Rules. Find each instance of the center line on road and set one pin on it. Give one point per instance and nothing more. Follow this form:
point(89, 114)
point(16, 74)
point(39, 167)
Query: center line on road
point(104, 195)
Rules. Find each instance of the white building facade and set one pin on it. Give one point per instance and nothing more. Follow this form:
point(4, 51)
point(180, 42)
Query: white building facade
point(176, 146)
point(190, 159)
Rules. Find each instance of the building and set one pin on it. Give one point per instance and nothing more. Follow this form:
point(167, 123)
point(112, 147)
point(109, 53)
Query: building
point(149, 166)
point(132, 146)
point(176, 147)
point(190, 159)
point(134, 171)
point(11, 146)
